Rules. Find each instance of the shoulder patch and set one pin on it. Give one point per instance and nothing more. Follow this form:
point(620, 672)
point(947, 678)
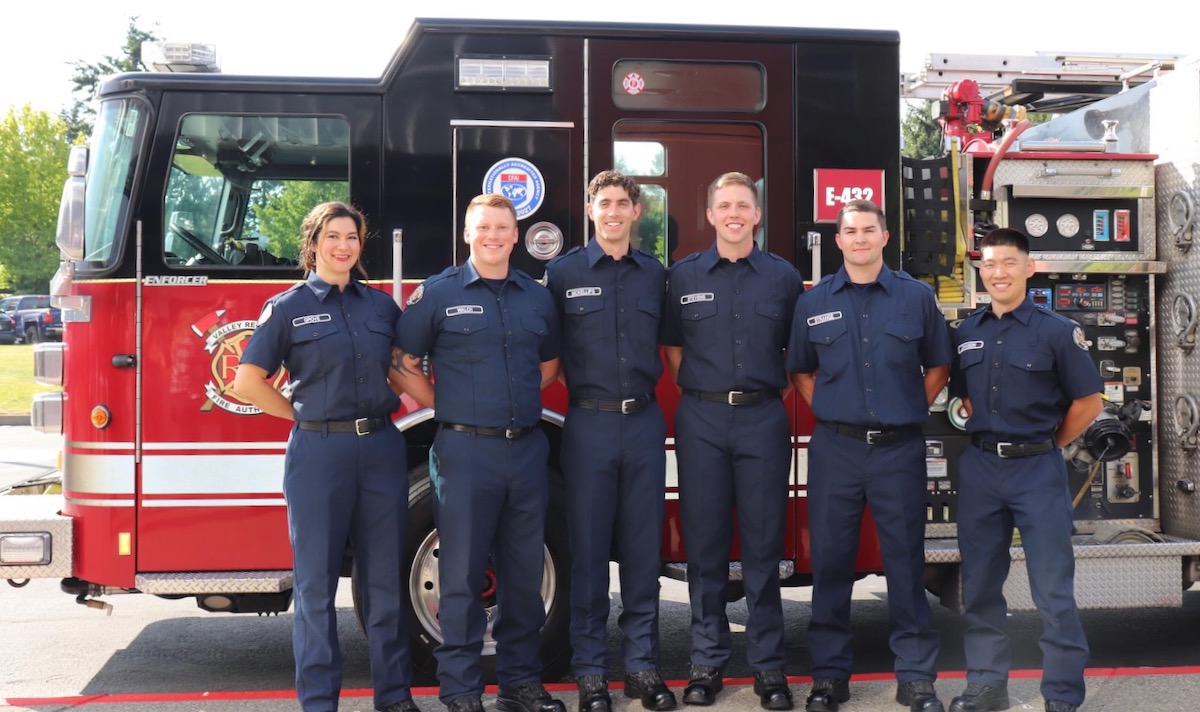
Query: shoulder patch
point(268, 309)
point(1080, 341)
point(416, 295)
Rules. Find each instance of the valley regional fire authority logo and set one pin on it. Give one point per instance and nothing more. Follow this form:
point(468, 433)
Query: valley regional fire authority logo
point(518, 180)
point(226, 343)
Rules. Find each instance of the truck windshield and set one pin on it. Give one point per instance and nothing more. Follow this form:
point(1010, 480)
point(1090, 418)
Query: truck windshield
point(114, 154)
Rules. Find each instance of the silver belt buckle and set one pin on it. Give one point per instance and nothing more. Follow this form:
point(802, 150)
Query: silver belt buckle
point(360, 426)
point(732, 395)
point(510, 433)
point(871, 435)
point(1000, 449)
point(627, 404)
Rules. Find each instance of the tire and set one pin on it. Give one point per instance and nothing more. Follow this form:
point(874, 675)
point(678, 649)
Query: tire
point(31, 335)
point(421, 581)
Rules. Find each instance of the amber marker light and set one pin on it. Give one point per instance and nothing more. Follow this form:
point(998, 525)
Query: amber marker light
point(101, 417)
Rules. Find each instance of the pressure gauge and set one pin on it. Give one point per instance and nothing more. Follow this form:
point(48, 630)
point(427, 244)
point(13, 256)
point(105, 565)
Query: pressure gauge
point(1036, 225)
point(1068, 225)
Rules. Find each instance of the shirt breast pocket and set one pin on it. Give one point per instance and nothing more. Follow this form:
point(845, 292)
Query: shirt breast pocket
point(464, 337)
point(382, 334)
point(699, 323)
point(903, 347)
point(832, 346)
point(316, 349)
point(772, 319)
point(1032, 372)
point(583, 321)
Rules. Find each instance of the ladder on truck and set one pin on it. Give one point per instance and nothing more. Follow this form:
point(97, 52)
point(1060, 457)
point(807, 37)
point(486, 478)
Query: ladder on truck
point(1051, 82)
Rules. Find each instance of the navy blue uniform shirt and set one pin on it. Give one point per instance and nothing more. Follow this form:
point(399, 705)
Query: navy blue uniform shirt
point(486, 347)
point(609, 307)
point(731, 318)
point(867, 345)
point(336, 345)
point(1021, 371)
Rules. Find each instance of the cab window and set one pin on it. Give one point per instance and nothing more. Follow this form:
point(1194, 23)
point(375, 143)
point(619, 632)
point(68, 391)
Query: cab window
point(240, 186)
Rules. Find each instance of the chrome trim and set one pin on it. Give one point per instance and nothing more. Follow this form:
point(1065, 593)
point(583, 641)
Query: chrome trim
point(1082, 191)
point(98, 474)
point(514, 124)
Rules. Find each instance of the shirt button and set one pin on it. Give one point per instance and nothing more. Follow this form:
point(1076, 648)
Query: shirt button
point(621, 335)
point(737, 291)
point(866, 365)
point(737, 341)
point(358, 356)
point(361, 380)
point(513, 379)
point(866, 316)
point(622, 310)
point(737, 316)
point(354, 333)
point(739, 366)
point(995, 388)
point(865, 339)
point(622, 359)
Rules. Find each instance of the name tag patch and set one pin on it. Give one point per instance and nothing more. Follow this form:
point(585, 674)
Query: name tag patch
point(311, 319)
point(584, 292)
point(969, 346)
point(464, 309)
point(698, 297)
point(824, 318)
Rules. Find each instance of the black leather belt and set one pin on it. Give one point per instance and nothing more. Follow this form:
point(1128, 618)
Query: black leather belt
point(506, 433)
point(733, 397)
point(874, 435)
point(362, 426)
point(1006, 449)
point(625, 407)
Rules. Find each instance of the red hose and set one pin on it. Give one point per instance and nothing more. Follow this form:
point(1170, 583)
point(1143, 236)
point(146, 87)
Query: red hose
point(985, 188)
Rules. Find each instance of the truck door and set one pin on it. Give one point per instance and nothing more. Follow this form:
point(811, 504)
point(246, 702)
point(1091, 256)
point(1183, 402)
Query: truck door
point(676, 117)
point(528, 162)
point(237, 173)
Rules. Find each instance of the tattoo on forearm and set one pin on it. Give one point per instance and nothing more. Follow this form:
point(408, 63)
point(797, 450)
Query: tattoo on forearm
point(398, 363)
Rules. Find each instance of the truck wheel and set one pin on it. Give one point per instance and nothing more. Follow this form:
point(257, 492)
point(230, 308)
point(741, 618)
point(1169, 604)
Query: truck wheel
point(421, 582)
point(31, 335)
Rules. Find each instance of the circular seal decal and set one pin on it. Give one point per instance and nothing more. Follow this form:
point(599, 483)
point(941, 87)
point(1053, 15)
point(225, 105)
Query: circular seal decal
point(518, 180)
point(633, 84)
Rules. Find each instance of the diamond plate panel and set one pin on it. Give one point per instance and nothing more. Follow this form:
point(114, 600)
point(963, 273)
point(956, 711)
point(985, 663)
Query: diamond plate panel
point(1174, 130)
point(1106, 576)
point(195, 583)
point(37, 514)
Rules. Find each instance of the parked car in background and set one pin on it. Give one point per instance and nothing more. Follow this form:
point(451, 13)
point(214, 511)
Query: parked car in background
point(34, 319)
point(8, 329)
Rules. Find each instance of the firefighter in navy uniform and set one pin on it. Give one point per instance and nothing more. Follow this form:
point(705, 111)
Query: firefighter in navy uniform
point(869, 351)
point(344, 478)
point(610, 297)
point(492, 335)
point(725, 328)
point(1030, 388)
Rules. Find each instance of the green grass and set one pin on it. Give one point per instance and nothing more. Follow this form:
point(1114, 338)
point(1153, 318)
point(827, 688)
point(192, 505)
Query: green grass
point(16, 379)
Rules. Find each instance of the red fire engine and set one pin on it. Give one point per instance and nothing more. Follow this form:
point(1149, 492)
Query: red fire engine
point(180, 219)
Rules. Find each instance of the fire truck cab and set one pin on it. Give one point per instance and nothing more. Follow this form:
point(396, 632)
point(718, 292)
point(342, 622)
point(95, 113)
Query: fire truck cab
point(181, 219)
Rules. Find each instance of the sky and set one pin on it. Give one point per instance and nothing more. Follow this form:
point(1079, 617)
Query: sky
point(358, 37)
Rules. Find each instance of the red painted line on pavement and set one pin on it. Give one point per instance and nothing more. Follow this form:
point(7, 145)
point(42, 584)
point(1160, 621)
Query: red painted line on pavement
point(130, 698)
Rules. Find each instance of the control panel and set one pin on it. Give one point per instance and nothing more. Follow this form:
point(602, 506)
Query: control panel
point(1072, 225)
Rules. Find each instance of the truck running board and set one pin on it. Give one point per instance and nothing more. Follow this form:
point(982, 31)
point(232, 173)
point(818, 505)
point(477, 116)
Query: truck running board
point(199, 583)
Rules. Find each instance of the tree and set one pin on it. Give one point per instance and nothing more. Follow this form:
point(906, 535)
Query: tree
point(921, 132)
point(82, 113)
point(34, 146)
point(278, 210)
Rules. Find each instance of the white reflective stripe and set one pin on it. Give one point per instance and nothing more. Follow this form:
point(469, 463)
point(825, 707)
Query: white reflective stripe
point(211, 474)
point(84, 445)
point(265, 445)
point(98, 474)
point(214, 502)
point(85, 502)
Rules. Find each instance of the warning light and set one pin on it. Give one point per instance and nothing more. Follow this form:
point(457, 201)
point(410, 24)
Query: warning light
point(101, 417)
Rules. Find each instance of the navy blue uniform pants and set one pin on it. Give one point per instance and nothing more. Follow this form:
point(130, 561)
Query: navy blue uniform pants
point(341, 488)
point(845, 475)
point(615, 468)
point(490, 498)
point(734, 456)
point(1031, 493)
